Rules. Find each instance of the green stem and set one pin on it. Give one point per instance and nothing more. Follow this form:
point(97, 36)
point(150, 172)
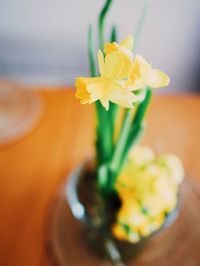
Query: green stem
point(132, 140)
point(113, 37)
point(101, 22)
point(140, 24)
point(107, 135)
point(142, 108)
point(91, 53)
point(93, 73)
point(113, 109)
point(122, 139)
point(104, 121)
point(130, 134)
point(99, 132)
point(131, 131)
point(106, 117)
point(137, 127)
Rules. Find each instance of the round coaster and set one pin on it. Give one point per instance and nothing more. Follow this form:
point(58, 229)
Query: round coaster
point(20, 110)
point(175, 246)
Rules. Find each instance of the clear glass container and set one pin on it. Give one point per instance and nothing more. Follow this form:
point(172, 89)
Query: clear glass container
point(98, 236)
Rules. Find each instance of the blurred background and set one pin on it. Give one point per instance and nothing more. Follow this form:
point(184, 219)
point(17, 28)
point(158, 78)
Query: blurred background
point(44, 42)
point(45, 131)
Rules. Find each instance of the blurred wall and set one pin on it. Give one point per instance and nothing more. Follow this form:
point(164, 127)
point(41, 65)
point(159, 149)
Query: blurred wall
point(44, 41)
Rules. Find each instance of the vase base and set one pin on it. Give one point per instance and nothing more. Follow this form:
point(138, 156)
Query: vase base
point(178, 245)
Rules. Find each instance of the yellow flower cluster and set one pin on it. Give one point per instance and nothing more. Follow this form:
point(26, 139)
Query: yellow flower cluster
point(120, 76)
point(148, 188)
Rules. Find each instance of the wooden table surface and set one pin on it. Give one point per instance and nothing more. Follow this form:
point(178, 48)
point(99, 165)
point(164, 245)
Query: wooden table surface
point(32, 168)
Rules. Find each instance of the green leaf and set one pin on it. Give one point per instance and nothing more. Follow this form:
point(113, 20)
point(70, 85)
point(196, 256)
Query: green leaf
point(137, 126)
point(131, 132)
point(101, 22)
point(117, 156)
point(140, 24)
point(113, 37)
point(91, 53)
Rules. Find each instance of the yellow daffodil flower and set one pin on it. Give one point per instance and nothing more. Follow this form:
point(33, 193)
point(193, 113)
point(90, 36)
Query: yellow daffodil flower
point(81, 92)
point(142, 74)
point(90, 90)
point(122, 50)
point(119, 77)
point(148, 191)
point(110, 86)
point(141, 155)
point(126, 45)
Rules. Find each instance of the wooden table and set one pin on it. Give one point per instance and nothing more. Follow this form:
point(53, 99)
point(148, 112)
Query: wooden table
point(32, 168)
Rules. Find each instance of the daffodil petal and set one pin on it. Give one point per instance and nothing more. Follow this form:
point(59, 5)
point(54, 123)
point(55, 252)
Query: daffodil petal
point(110, 47)
point(105, 103)
point(142, 62)
point(136, 84)
point(137, 73)
point(81, 92)
point(127, 53)
point(90, 90)
point(156, 78)
point(113, 65)
point(99, 89)
point(101, 62)
point(135, 77)
point(123, 74)
point(128, 42)
point(118, 59)
point(121, 96)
